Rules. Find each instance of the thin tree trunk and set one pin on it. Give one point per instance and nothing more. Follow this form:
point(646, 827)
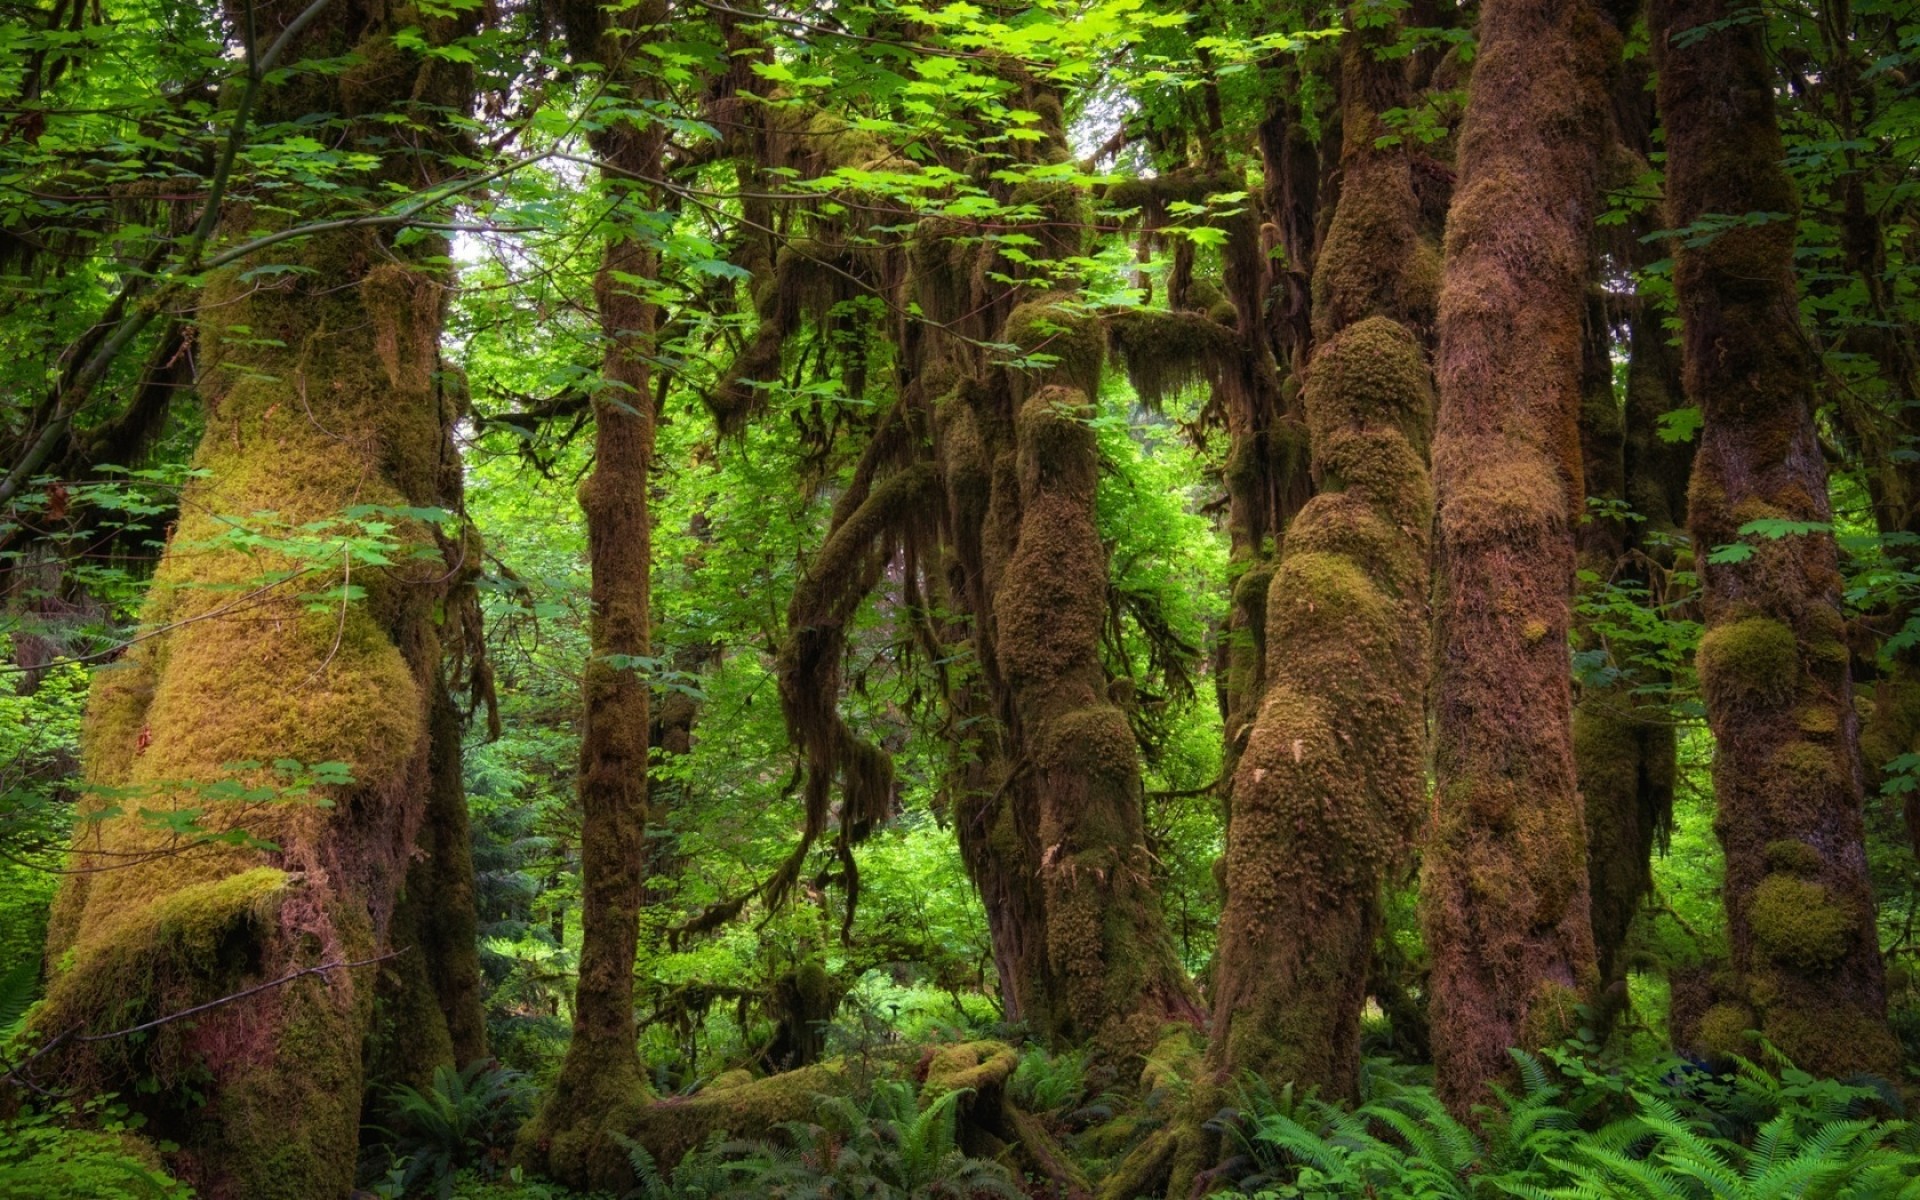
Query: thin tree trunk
point(1774, 664)
point(601, 1082)
point(1504, 887)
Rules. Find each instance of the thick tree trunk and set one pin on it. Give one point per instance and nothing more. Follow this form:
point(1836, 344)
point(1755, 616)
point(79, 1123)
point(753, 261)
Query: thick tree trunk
point(1332, 786)
point(322, 393)
point(1052, 825)
point(1774, 664)
point(429, 1008)
point(1504, 888)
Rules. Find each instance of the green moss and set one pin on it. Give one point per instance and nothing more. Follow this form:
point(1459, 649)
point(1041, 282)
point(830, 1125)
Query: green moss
point(1552, 1014)
point(671, 1127)
point(1726, 1029)
point(1753, 662)
point(1060, 345)
point(727, 1080)
point(151, 959)
point(1793, 857)
point(1370, 373)
point(1800, 923)
point(1832, 1038)
point(969, 1066)
point(1174, 1061)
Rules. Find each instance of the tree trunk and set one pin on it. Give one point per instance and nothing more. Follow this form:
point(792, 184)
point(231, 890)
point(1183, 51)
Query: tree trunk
point(1504, 888)
point(1052, 827)
point(1331, 789)
point(1774, 664)
point(601, 1082)
point(322, 393)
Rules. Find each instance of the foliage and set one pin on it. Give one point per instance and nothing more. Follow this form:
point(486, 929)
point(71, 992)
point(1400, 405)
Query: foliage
point(464, 1118)
point(89, 1151)
point(883, 1147)
point(1049, 1083)
point(1669, 1129)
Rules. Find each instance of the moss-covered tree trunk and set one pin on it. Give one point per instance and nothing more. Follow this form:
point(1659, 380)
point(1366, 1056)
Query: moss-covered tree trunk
point(1774, 665)
point(1623, 732)
point(1057, 844)
point(1331, 789)
point(600, 1078)
point(323, 392)
point(1504, 885)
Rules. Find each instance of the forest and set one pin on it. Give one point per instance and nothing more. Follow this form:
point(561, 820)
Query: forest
point(950, 599)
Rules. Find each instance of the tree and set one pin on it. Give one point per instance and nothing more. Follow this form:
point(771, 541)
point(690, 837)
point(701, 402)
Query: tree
point(293, 621)
point(1329, 794)
point(1773, 661)
point(601, 1080)
point(1504, 883)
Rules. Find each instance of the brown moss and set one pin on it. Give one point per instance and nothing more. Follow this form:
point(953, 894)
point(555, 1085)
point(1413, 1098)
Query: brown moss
point(1504, 887)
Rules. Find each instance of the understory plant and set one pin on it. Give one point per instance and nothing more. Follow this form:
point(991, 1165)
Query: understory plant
point(882, 1146)
point(1678, 1130)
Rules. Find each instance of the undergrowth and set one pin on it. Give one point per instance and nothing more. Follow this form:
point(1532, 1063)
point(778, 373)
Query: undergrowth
point(1676, 1131)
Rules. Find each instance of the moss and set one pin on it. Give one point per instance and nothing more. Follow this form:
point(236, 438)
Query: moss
point(1071, 342)
point(671, 1127)
point(151, 957)
point(1800, 923)
point(1726, 1030)
point(728, 1080)
point(1553, 1014)
point(1165, 353)
point(1793, 857)
point(970, 1066)
point(1174, 1061)
point(1834, 1033)
point(1822, 720)
point(1372, 372)
point(1749, 663)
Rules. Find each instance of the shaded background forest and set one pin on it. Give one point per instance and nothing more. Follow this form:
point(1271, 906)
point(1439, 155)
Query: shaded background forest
point(381, 380)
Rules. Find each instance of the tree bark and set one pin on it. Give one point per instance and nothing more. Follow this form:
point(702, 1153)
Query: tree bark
point(1504, 887)
point(1331, 790)
point(321, 393)
point(1774, 663)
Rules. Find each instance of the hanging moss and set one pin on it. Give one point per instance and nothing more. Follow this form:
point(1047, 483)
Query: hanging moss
point(1165, 353)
